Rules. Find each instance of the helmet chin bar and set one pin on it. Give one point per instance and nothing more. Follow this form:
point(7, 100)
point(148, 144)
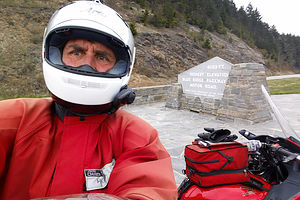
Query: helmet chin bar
point(81, 110)
point(64, 108)
point(82, 89)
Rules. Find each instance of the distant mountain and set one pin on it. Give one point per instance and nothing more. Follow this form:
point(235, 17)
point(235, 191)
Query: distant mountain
point(170, 38)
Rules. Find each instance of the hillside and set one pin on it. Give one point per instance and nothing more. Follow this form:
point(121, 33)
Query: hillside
point(162, 53)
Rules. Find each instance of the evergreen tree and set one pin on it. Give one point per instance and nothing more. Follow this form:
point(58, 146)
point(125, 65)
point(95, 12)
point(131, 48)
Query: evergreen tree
point(222, 16)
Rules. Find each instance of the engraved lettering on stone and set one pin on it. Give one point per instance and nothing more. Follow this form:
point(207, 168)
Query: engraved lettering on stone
point(207, 79)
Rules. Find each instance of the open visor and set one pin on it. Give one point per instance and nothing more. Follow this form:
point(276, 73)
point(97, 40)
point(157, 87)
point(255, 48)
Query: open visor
point(57, 39)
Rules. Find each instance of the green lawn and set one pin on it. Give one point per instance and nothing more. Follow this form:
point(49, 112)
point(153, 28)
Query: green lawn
point(284, 86)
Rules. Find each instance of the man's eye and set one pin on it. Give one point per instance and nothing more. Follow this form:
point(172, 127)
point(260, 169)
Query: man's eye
point(100, 57)
point(76, 53)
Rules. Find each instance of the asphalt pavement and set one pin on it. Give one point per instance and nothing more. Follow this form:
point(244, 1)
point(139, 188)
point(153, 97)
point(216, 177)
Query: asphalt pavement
point(178, 128)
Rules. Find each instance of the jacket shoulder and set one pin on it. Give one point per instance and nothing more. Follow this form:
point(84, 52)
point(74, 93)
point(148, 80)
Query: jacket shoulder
point(16, 112)
point(128, 118)
point(130, 130)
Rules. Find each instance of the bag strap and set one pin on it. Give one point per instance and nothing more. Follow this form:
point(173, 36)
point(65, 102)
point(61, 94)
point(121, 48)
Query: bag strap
point(228, 158)
point(216, 172)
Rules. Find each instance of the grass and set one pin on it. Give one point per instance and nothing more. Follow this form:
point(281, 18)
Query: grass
point(284, 86)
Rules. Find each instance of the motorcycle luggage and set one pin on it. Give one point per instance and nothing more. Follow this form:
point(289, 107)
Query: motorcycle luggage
point(217, 164)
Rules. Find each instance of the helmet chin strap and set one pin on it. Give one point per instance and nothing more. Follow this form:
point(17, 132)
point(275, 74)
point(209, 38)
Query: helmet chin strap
point(125, 96)
point(64, 108)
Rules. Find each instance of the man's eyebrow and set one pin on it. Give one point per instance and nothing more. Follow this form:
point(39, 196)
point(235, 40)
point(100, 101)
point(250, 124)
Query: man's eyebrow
point(75, 46)
point(103, 52)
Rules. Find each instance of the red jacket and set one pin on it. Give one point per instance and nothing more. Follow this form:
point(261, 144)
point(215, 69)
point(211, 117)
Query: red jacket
point(42, 156)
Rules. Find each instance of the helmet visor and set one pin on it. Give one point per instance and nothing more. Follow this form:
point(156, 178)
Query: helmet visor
point(57, 40)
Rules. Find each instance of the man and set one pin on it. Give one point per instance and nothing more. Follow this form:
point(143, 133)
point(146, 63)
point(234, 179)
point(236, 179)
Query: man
point(79, 52)
point(79, 141)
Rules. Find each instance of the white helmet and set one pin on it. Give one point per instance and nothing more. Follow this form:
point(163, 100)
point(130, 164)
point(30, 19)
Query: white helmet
point(83, 85)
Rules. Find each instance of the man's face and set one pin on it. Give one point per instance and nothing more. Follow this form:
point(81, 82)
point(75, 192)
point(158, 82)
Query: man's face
point(79, 52)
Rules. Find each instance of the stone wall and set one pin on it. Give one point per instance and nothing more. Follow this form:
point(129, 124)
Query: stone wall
point(242, 98)
point(153, 94)
point(174, 96)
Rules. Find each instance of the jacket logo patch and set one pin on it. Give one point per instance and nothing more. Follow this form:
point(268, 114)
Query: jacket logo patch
point(98, 178)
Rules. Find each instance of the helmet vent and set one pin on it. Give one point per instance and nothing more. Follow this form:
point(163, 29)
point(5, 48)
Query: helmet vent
point(83, 84)
point(99, 1)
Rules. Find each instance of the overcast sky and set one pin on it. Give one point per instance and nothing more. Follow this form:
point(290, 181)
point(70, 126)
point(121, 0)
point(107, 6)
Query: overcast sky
point(284, 14)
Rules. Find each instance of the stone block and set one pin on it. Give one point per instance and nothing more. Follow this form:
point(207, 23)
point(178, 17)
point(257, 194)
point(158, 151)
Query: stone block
point(235, 72)
point(233, 79)
point(247, 73)
point(253, 66)
point(235, 91)
point(225, 118)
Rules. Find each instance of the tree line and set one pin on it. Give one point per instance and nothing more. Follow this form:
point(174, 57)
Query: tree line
point(222, 16)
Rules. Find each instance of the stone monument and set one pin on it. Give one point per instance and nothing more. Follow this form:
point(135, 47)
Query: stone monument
point(207, 79)
point(231, 92)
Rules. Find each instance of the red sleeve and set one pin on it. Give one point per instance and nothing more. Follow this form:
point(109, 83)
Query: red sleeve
point(9, 123)
point(143, 170)
point(17, 114)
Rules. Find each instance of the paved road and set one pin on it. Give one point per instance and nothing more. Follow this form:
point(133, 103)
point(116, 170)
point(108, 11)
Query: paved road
point(178, 128)
point(283, 76)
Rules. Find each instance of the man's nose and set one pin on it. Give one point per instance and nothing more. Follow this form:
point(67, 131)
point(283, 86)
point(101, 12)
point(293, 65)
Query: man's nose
point(89, 60)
